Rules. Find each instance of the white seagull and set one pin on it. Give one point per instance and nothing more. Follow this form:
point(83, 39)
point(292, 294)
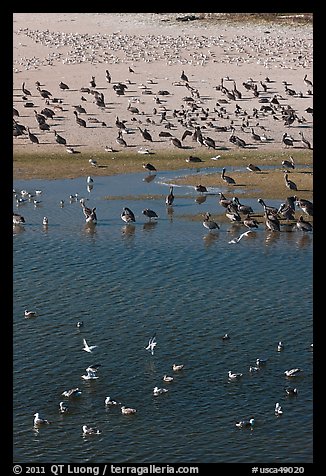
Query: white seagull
point(88, 430)
point(109, 401)
point(28, 314)
point(292, 372)
point(88, 348)
point(158, 391)
point(151, 344)
point(63, 407)
point(236, 240)
point(73, 392)
point(167, 378)
point(128, 410)
point(91, 373)
point(245, 423)
point(278, 409)
point(38, 421)
point(234, 375)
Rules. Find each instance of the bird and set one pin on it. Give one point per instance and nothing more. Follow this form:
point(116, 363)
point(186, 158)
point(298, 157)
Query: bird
point(79, 120)
point(38, 421)
point(108, 76)
point(26, 91)
point(245, 423)
point(253, 168)
point(73, 392)
point(236, 240)
point(246, 209)
point(18, 219)
point(167, 378)
point(159, 391)
point(110, 401)
point(80, 109)
point(177, 367)
point(170, 197)
point(149, 167)
point(88, 430)
point(88, 348)
point(151, 345)
point(278, 409)
point(226, 178)
point(185, 134)
point(292, 372)
point(303, 225)
point(291, 391)
point(128, 410)
point(289, 183)
point(93, 162)
point(305, 205)
point(28, 314)
point(90, 214)
point(280, 346)
point(59, 139)
point(32, 137)
point(63, 407)
point(232, 213)
point(306, 144)
point(225, 337)
point(209, 143)
point(127, 215)
point(288, 164)
point(307, 81)
point(92, 83)
point(45, 221)
point(91, 373)
point(184, 77)
point(149, 213)
point(272, 222)
point(287, 140)
point(267, 208)
point(146, 135)
point(89, 179)
point(223, 201)
point(234, 375)
point(120, 140)
point(210, 224)
point(250, 222)
point(200, 188)
point(63, 85)
point(79, 324)
point(236, 140)
point(176, 142)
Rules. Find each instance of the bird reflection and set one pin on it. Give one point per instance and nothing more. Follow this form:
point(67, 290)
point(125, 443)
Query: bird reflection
point(304, 240)
point(210, 238)
point(149, 226)
point(201, 199)
point(90, 228)
point(128, 230)
point(90, 187)
point(149, 178)
point(271, 237)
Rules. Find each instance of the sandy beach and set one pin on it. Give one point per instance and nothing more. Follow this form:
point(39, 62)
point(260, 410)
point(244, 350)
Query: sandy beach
point(252, 80)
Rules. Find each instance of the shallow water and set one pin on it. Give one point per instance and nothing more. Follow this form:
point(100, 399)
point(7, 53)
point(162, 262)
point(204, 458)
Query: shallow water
point(189, 287)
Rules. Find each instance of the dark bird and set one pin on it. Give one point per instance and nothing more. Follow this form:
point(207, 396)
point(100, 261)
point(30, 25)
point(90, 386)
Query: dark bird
point(26, 91)
point(223, 201)
point(127, 215)
point(253, 168)
point(236, 140)
point(250, 222)
point(185, 134)
point(226, 178)
point(303, 225)
point(130, 70)
point(146, 135)
point(305, 205)
point(92, 83)
point(240, 207)
point(307, 82)
point(267, 208)
point(63, 85)
point(170, 197)
point(79, 120)
point(80, 109)
point(232, 214)
point(208, 142)
point(183, 77)
point(200, 188)
point(150, 213)
point(176, 142)
point(288, 164)
point(44, 93)
point(193, 159)
point(272, 222)
point(306, 144)
point(149, 167)
point(32, 137)
point(287, 140)
point(210, 224)
point(289, 183)
point(107, 76)
point(59, 139)
point(119, 140)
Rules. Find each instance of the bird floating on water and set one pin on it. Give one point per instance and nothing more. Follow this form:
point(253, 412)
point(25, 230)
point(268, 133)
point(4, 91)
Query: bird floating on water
point(28, 314)
point(167, 378)
point(88, 430)
point(73, 392)
point(159, 391)
point(128, 410)
point(278, 409)
point(177, 367)
point(210, 224)
point(63, 407)
point(110, 401)
point(38, 421)
point(245, 423)
point(234, 375)
point(45, 221)
point(292, 372)
point(127, 215)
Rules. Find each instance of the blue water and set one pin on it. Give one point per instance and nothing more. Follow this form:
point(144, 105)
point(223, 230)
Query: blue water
point(175, 280)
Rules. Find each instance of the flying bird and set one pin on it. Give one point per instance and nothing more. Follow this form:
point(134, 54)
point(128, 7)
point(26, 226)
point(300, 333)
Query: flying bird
point(236, 240)
point(88, 348)
point(151, 344)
